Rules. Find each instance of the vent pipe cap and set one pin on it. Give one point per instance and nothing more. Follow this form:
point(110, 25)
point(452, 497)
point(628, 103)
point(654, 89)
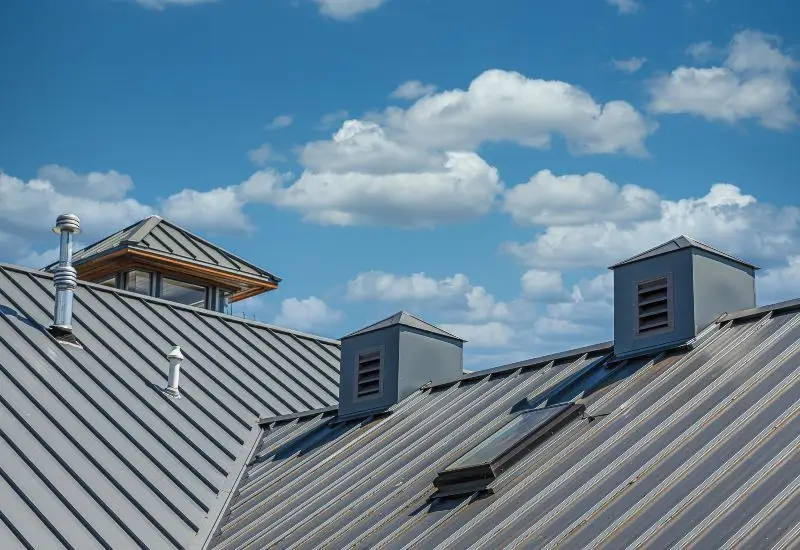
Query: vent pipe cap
point(67, 222)
point(175, 354)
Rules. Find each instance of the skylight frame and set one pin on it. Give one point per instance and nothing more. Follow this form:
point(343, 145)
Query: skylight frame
point(479, 475)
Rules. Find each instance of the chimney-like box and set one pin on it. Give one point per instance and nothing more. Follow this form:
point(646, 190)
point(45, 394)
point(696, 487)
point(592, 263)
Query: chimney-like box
point(668, 294)
point(386, 362)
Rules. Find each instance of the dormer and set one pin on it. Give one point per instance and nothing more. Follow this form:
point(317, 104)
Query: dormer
point(157, 258)
point(665, 296)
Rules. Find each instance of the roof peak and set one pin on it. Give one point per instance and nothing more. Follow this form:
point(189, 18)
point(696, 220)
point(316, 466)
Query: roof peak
point(407, 319)
point(681, 242)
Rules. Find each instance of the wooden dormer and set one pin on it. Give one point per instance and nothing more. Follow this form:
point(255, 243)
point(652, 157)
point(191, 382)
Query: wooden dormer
point(158, 258)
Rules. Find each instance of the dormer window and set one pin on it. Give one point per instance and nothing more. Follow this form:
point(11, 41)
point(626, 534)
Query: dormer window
point(183, 292)
point(140, 282)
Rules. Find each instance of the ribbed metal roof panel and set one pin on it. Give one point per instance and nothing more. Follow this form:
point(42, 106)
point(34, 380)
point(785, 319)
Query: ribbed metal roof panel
point(94, 455)
point(693, 448)
point(159, 235)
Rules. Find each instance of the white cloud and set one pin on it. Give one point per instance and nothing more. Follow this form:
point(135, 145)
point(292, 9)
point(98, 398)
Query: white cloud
point(507, 106)
point(779, 283)
point(306, 314)
point(161, 4)
point(625, 6)
point(629, 66)
point(280, 121)
point(28, 210)
point(724, 217)
point(219, 209)
point(94, 185)
point(346, 10)
point(413, 89)
point(547, 199)
point(486, 335)
point(331, 119)
point(542, 285)
point(38, 260)
point(754, 82)
point(379, 285)
point(263, 154)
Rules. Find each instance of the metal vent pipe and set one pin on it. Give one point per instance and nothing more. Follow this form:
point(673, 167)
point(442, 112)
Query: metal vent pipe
point(65, 278)
point(175, 358)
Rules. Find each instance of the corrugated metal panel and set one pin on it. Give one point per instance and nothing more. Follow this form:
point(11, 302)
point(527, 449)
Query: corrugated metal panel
point(697, 448)
point(93, 454)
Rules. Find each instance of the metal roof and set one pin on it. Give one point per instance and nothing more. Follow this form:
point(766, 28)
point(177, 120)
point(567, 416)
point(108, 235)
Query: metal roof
point(406, 319)
point(688, 448)
point(680, 243)
point(156, 234)
point(94, 455)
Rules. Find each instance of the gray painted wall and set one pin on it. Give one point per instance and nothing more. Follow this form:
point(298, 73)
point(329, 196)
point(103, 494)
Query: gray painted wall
point(412, 358)
point(679, 265)
point(720, 286)
point(426, 357)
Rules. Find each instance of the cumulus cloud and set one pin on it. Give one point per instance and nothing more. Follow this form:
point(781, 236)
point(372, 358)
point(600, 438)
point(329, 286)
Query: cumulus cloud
point(702, 51)
point(219, 209)
point(542, 285)
point(346, 10)
point(625, 6)
point(724, 217)
point(548, 199)
point(379, 285)
point(280, 121)
point(507, 106)
point(754, 82)
point(629, 66)
point(29, 209)
point(306, 314)
point(779, 283)
point(413, 89)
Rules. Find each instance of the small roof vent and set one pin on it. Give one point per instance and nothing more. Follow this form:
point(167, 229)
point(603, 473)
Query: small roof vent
point(654, 306)
point(476, 469)
point(175, 358)
point(369, 376)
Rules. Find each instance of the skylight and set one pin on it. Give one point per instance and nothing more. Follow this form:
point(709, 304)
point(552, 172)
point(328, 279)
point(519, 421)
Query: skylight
point(476, 469)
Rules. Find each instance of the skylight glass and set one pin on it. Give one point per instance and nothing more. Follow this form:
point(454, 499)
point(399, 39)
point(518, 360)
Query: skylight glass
point(480, 466)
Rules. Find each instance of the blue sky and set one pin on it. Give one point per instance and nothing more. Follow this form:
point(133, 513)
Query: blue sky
point(476, 163)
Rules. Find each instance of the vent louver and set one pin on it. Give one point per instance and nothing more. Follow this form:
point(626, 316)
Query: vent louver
point(654, 306)
point(368, 379)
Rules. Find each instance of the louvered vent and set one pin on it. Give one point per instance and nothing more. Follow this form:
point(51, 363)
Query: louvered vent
point(368, 379)
point(654, 306)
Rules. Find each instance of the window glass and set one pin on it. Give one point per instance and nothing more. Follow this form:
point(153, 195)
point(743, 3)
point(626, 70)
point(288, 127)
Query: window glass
point(138, 281)
point(183, 292)
point(111, 281)
point(222, 300)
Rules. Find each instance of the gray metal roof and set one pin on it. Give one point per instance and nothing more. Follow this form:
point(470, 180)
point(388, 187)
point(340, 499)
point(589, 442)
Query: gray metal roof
point(694, 448)
point(93, 455)
point(680, 243)
point(156, 234)
point(406, 319)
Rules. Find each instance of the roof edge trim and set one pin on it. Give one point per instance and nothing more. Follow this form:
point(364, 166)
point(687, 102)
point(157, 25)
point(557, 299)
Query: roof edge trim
point(777, 307)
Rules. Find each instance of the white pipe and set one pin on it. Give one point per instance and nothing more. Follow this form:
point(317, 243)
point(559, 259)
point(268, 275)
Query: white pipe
point(175, 358)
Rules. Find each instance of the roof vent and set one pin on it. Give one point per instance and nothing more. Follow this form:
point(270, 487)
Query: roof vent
point(665, 296)
point(65, 278)
point(386, 362)
point(175, 358)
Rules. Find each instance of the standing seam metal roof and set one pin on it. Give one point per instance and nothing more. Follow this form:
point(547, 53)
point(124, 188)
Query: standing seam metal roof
point(156, 234)
point(692, 448)
point(93, 454)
